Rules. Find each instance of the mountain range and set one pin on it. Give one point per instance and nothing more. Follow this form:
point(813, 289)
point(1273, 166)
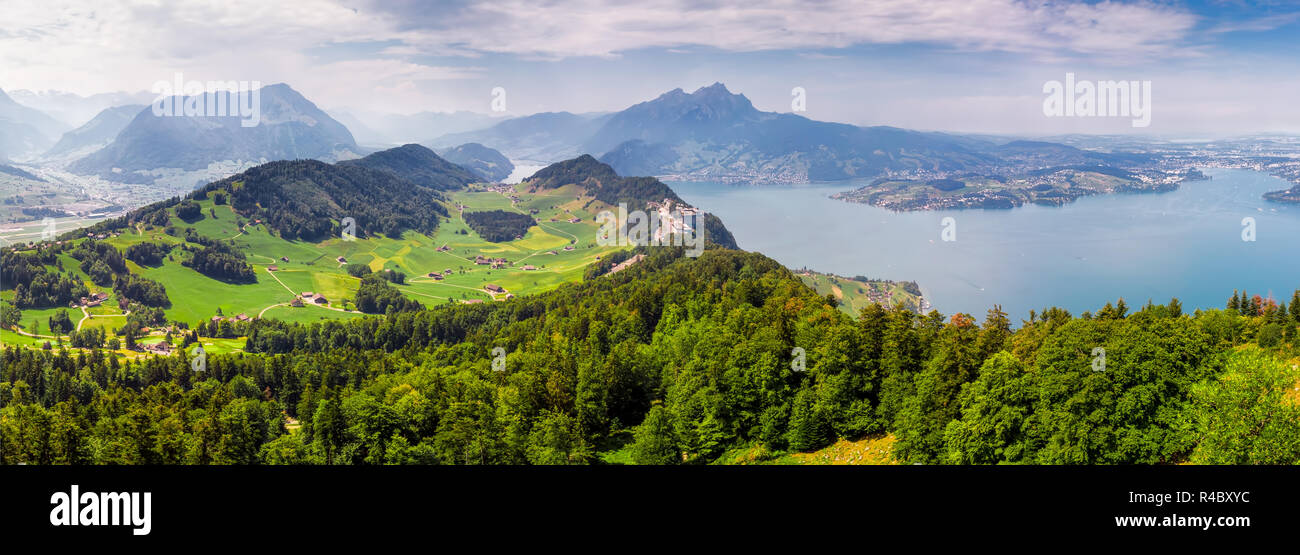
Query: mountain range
point(713, 133)
point(25, 131)
point(96, 133)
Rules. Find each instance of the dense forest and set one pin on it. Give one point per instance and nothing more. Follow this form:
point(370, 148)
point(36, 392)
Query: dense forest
point(308, 199)
point(499, 226)
point(38, 279)
point(220, 260)
point(679, 360)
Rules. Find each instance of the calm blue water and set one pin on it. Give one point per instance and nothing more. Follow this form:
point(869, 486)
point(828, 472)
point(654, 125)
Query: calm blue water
point(1187, 243)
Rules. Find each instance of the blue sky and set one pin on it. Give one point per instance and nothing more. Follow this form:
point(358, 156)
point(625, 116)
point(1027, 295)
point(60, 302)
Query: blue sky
point(1216, 67)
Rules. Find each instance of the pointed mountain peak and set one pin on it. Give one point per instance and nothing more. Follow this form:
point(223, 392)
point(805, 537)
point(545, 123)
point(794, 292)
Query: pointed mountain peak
point(717, 88)
point(675, 93)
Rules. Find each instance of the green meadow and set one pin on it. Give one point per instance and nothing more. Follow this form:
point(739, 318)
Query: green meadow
point(302, 266)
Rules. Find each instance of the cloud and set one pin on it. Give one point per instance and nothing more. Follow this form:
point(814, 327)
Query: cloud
point(606, 28)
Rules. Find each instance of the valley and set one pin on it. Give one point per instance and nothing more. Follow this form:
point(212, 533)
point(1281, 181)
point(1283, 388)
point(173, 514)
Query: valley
point(307, 280)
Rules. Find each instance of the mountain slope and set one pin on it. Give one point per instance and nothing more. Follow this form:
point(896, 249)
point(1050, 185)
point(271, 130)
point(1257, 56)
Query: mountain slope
point(96, 133)
point(308, 200)
point(605, 185)
point(419, 165)
point(290, 127)
point(487, 163)
point(24, 131)
point(547, 136)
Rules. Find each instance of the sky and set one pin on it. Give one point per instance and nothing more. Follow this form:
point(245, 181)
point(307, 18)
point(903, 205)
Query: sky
point(973, 66)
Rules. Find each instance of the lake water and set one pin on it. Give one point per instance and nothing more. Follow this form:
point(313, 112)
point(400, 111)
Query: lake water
point(1187, 243)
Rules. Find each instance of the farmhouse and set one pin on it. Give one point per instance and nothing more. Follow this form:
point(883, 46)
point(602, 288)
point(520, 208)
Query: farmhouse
point(320, 299)
point(493, 288)
point(296, 302)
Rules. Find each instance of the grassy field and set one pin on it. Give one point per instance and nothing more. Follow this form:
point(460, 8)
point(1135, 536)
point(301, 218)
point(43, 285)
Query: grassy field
point(872, 450)
point(855, 294)
point(313, 266)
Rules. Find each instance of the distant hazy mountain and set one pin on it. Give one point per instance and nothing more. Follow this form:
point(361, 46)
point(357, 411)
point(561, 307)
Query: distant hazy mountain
point(548, 136)
point(488, 163)
point(715, 132)
point(96, 133)
point(396, 129)
point(1053, 154)
point(418, 165)
point(16, 172)
point(290, 127)
point(75, 110)
point(25, 131)
point(636, 157)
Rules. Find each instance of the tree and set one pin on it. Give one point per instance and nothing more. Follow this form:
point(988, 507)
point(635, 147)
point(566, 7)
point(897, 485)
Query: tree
point(1244, 417)
point(329, 426)
point(655, 441)
point(555, 441)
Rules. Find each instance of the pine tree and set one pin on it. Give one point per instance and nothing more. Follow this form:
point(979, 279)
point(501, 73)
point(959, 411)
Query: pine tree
point(1175, 307)
point(1234, 304)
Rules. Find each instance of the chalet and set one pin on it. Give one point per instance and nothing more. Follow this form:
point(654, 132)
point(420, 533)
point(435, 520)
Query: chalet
point(241, 317)
point(284, 259)
point(161, 347)
point(510, 296)
point(529, 268)
point(217, 318)
point(296, 302)
point(493, 288)
point(444, 248)
point(308, 294)
point(273, 268)
point(320, 299)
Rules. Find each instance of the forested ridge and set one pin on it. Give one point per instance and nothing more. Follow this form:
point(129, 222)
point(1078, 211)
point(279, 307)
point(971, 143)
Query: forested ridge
point(695, 357)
